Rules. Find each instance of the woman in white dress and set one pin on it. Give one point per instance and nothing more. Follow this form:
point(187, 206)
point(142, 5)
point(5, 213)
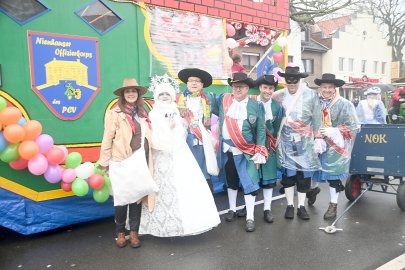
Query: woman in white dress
point(184, 204)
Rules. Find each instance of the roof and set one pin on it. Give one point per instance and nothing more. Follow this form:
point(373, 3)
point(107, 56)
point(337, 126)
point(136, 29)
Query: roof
point(330, 27)
point(313, 46)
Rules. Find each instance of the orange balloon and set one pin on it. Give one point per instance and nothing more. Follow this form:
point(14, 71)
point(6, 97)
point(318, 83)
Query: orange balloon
point(10, 115)
point(28, 149)
point(14, 133)
point(32, 129)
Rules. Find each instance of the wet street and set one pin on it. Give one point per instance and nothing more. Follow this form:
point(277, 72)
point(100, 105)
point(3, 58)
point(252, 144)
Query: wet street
point(373, 235)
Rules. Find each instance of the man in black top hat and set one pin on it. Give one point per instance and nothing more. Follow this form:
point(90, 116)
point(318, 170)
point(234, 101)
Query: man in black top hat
point(296, 139)
point(334, 142)
point(242, 144)
point(194, 107)
point(272, 117)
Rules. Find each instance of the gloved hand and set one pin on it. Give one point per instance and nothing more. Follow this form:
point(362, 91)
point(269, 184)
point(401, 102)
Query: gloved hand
point(258, 158)
point(334, 134)
point(319, 146)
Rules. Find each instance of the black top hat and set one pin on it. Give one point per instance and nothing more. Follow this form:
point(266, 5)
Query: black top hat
point(205, 77)
point(241, 78)
point(329, 78)
point(292, 72)
point(267, 79)
point(130, 83)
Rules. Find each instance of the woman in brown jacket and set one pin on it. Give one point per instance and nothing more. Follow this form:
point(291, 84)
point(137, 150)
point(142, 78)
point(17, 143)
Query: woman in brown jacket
point(125, 155)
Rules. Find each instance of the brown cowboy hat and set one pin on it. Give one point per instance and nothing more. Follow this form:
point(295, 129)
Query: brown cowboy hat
point(130, 83)
point(329, 78)
point(204, 76)
point(292, 72)
point(241, 78)
point(267, 79)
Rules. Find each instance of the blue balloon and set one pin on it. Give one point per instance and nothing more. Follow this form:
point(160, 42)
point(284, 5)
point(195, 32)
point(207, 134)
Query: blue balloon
point(22, 121)
point(3, 142)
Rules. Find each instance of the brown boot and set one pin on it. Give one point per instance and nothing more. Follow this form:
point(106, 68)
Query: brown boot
point(331, 212)
point(121, 241)
point(135, 242)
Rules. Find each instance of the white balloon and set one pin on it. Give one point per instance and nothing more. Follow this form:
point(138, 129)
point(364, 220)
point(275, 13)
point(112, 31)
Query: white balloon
point(232, 44)
point(282, 41)
point(85, 170)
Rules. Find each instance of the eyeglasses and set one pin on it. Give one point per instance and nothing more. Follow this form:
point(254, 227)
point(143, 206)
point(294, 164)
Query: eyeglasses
point(193, 81)
point(239, 87)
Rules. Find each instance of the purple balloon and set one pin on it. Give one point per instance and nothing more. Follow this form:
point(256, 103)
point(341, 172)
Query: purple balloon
point(53, 174)
point(44, 142)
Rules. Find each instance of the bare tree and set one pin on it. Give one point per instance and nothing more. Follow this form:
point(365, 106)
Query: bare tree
point(391, 15)
point(307, 11)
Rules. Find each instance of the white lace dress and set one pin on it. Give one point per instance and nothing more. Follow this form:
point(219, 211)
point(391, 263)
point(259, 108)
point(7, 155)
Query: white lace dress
point(184, 203)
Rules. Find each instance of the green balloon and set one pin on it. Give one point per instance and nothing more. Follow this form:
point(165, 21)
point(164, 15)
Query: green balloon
point(101, 195)
point(80, 187)
point(10, 153)
point(73, 160)
point(277, 47)
point(107, 181)
point(3, 103)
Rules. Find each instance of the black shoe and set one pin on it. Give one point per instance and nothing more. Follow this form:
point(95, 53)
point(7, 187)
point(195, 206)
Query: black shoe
point(250, 225)
point(331, 212)
point(311, 195)
point(289, 212)
point(268, 216)
point(241, 212)
point(230, 216)
point(302, 213)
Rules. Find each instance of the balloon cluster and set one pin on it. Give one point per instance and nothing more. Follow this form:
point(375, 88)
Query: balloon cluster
point(23, 146)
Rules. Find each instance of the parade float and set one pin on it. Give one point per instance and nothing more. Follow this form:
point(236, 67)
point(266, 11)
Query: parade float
point(59, 63)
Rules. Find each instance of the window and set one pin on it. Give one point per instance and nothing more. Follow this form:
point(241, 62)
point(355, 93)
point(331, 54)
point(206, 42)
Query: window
point(23, 11)
point(341, 63)
point(375, 67)
point(290, 59)
point(383, 64)
point(351, 62)
point(363, 66)
point(249, 60)
point(99, 16)
point(308, 65)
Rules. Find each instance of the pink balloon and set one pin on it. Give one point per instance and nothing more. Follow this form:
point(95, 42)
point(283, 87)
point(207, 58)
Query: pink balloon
point(44, 142)
point(55, 155)
point(278, 56)
point(64, 149)
point(230, 30)
point(69, 175)
point(19, 164)
point(53, 174)
point(38, 165)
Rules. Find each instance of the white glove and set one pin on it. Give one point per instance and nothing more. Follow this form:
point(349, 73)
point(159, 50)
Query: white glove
point(259, 158)
point(334, 134)
point(319, 146)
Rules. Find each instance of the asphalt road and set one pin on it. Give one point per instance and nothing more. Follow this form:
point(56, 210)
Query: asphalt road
point(373, 234)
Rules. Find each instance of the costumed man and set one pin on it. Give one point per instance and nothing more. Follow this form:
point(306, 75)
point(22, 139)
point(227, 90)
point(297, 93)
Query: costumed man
point(242, 144)
point(194, 108)
point(336, 137)
point(372, 109)
point(272, 117)
point(295, 139)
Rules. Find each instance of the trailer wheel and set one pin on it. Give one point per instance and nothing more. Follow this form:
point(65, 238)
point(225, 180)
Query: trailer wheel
point(401, 196)
point(353, 187)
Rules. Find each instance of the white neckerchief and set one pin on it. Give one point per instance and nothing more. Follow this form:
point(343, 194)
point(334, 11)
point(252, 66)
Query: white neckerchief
point(194, 105)
point(267, 109)
point(237, 110)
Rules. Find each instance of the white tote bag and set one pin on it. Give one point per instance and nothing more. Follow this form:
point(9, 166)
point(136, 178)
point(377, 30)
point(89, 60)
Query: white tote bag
point(131, 179)
point(209, 151)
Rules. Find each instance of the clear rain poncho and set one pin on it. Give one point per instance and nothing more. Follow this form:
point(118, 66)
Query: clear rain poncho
point(339, 125)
